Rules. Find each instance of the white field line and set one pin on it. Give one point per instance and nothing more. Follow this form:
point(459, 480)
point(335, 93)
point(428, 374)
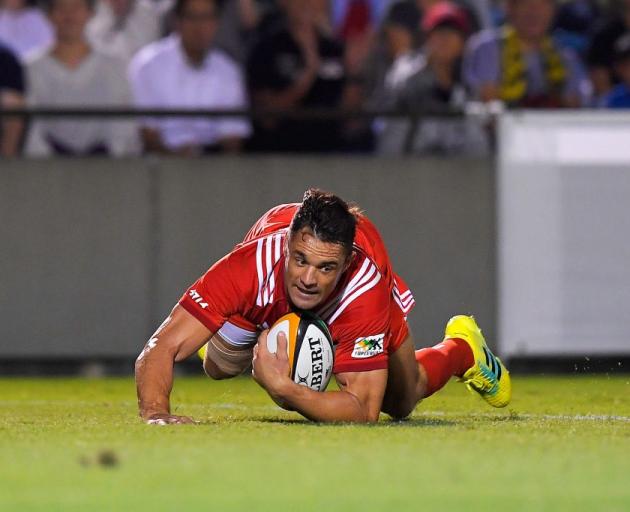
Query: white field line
point(551, 417)
point(274, 408)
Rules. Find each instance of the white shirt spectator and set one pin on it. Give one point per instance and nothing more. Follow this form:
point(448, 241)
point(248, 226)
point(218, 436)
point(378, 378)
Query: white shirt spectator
point(124, 38)
point(25, 30)
point(162, 77)
point(92, 83)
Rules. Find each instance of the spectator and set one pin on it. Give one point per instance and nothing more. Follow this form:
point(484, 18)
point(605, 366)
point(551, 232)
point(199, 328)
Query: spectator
point(400, 40)
point(185, 70)
point(379, 59)
point(237, 26)
point(297, 65)
point(23, 29)
point(356, 22)
point(602, 47)
point(574, 22)
point(429, 81)
point(522, 65)
point(122, 27)
point(619, 97)
point(73, 74)
point(477, 11)
point(11, 96)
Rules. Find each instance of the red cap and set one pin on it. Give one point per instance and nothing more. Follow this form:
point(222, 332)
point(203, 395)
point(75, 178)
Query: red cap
point(445, 13)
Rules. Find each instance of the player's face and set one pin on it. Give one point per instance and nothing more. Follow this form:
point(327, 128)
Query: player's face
point(313, 269)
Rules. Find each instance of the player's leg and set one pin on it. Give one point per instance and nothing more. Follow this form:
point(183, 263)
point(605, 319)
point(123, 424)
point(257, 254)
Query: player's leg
point(487, 376)
point(417, 374)
point(406, 381)
point(229, 352)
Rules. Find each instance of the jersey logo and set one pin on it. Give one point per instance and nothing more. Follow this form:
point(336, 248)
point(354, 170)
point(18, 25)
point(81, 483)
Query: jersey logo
point(365, 279)
point(268, 253)
point(368, 346)
point(198, 299)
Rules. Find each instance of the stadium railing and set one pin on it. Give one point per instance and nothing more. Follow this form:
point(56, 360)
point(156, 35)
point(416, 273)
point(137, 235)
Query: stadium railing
point(301, 114)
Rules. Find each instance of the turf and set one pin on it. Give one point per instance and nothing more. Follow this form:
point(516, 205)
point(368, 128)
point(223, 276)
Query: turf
point(74, 444)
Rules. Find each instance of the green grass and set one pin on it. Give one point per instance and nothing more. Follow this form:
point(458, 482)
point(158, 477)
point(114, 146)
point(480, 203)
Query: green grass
point(551, 450)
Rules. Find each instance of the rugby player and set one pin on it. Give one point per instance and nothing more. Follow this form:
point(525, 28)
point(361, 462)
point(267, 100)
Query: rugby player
point(327, 257)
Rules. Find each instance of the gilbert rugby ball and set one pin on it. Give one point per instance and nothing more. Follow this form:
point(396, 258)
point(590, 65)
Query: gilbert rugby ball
point(310, 348)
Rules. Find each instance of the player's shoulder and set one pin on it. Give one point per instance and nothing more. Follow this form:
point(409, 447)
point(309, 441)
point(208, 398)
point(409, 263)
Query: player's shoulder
point(275, 220)
point(364, 292)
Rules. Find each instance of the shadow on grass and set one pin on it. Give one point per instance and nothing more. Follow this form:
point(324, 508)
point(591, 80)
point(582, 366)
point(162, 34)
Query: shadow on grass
point(423, 421)
point(383, 423)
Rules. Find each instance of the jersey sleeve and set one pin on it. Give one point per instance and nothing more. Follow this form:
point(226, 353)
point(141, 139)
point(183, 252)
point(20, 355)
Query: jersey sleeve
point(220, 293)
point(362, 332)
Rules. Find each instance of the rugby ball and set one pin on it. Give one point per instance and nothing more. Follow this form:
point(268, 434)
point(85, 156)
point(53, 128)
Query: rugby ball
point(310, 348)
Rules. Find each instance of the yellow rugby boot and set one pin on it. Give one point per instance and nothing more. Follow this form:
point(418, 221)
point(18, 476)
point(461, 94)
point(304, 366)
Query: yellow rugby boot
point(488, 377)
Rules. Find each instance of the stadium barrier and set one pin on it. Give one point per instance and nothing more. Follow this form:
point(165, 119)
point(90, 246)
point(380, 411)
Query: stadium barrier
point(97, 251)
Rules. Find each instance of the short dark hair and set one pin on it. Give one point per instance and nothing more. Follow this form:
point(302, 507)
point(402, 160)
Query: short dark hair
point(329, 217)
point(180, 4)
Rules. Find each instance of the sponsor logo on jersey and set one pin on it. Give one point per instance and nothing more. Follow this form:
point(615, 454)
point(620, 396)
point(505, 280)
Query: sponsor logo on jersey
point(368, 346)
point(197, 298)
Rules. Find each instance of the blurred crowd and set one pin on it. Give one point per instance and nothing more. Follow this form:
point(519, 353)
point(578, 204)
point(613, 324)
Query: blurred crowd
point(431, 56)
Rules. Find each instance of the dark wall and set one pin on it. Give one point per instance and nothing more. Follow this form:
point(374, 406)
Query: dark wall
point(94, 253)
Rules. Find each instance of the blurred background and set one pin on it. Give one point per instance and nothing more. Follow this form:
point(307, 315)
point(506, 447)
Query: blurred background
point(488, 140)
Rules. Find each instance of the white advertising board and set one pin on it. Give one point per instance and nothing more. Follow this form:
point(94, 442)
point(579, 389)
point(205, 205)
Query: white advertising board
point(563, 210)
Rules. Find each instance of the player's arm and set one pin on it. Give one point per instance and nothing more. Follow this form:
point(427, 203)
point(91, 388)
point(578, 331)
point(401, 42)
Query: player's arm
point(179, 336)
point(359, 399)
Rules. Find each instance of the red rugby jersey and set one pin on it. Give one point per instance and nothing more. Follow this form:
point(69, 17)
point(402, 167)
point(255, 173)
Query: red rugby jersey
point(246, 288)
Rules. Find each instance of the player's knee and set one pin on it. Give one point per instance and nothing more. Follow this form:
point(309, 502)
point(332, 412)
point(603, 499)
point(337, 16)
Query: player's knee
point(400, 409)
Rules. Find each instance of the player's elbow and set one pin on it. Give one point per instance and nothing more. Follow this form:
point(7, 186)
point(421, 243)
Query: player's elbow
point(368, 412)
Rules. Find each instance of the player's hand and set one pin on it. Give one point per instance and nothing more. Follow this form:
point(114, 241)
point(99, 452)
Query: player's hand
point(168, 419)
point(271, 370)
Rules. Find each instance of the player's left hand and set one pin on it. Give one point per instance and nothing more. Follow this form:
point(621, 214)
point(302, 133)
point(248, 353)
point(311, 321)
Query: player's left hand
point(270, 370)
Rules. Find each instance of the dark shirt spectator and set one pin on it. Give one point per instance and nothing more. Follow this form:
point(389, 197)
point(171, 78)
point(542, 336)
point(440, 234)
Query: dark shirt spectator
point(619, 96)
point(297, 66)
point(11, 96)
point(601, 50)
point(521, 64)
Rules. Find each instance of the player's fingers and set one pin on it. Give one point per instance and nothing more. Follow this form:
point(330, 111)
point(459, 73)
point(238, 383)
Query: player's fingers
point(283, 343)
point(261, 346)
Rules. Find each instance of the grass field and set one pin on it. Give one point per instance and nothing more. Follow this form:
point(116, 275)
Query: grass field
point(73, 444)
